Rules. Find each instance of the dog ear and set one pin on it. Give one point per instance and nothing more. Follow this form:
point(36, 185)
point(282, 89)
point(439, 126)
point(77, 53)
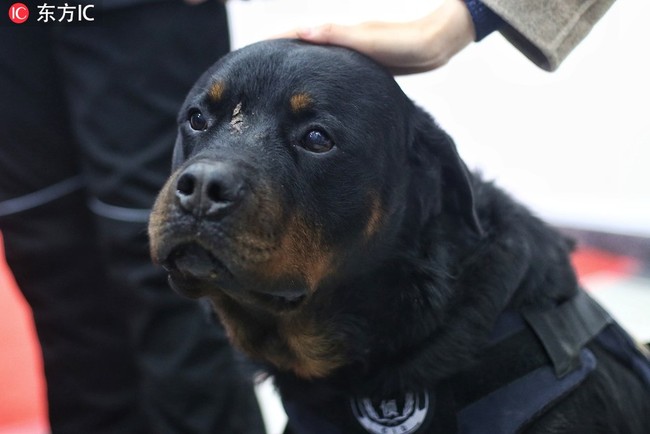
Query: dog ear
point(178, 156)
point(434, 154)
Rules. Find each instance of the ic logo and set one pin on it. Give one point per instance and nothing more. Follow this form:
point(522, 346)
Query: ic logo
point(18, 13)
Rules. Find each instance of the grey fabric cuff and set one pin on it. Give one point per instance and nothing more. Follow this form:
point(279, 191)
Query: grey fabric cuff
point(547, 31)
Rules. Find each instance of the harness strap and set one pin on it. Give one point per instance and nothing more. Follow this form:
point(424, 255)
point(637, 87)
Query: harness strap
point(533, 360)
point(496, 367)
point(515, 405)
point(567, 328)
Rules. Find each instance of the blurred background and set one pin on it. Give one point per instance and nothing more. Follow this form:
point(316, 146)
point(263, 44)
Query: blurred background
point(573, 145)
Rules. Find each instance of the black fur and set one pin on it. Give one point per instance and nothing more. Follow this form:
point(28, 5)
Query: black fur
point(422, 256)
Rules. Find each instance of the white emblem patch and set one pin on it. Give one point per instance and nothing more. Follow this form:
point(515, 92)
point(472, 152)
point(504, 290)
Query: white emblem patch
point(392, 416)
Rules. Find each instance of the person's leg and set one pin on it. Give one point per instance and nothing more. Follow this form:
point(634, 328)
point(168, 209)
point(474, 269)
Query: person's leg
point(50, 246)
point(126, 80)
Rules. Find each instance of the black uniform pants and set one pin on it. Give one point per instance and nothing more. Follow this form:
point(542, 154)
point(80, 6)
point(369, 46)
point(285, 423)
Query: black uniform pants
point(87, 125)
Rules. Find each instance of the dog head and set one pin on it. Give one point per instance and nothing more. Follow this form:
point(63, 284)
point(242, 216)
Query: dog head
point(298, 169)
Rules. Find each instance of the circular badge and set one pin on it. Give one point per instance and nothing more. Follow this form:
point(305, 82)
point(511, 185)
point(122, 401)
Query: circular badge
point(18, 13)
point(392, 416)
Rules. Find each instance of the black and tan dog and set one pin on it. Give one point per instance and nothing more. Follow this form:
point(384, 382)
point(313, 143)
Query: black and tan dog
point(344, 243)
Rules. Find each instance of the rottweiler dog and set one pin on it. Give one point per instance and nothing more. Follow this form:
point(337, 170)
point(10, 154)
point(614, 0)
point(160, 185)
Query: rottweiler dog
point(344, 244)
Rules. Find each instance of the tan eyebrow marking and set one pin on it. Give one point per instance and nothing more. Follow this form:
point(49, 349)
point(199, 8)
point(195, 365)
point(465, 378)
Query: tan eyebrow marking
point(300, 101)
point(376, 217)
point(216, 91)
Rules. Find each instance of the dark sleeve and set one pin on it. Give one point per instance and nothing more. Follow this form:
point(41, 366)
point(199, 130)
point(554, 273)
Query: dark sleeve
point(485, 20)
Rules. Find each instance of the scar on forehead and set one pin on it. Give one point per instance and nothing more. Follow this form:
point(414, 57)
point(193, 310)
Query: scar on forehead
point(237, 121)
point(300, 101)
point(216, 91)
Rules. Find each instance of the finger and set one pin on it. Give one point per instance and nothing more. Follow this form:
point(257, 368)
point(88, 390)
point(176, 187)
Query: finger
point(291, 34)
point(333, 34)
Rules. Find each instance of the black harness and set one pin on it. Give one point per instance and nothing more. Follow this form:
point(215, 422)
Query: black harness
point(501, 393)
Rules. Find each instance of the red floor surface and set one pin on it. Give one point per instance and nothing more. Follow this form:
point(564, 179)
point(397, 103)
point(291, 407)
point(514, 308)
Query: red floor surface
point(591, 261)
point(23, 406)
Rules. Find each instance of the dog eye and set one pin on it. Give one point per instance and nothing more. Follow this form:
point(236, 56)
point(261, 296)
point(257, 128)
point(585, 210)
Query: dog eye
point(197, 121)
point(317, 141)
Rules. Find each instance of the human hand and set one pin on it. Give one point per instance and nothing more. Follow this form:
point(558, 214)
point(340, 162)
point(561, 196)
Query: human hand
point(404, 48)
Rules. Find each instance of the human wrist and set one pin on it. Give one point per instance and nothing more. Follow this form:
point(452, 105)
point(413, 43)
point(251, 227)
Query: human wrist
point(449, 30)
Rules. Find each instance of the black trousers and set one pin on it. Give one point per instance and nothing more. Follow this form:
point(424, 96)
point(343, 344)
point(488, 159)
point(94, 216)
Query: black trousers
point(87, 125)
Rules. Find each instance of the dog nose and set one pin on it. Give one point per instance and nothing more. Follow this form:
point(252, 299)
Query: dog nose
point(211, 189)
